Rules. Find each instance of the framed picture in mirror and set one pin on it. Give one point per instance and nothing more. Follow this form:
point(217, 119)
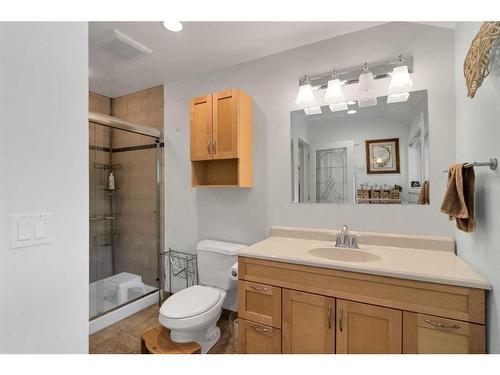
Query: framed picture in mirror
point(382, 156)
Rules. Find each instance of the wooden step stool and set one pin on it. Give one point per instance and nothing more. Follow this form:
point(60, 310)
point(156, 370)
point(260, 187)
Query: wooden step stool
point(158, 341)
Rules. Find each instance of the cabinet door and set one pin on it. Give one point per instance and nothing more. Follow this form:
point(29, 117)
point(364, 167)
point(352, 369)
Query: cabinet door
point(308, 323)
point(425, 334)
point(363, 328)
point(255, 338)
point(201, 132)
point(225, 120)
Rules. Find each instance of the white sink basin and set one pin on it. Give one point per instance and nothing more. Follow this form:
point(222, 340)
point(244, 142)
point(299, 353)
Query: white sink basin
point(344, 255)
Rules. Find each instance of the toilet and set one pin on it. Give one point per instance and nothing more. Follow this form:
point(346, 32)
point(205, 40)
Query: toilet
point(192, 313)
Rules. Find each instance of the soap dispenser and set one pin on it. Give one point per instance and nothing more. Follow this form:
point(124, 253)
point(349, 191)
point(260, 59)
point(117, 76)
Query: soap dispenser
point(111, 181)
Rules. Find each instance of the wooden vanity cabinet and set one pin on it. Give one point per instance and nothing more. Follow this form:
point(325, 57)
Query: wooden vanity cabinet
point(318, 310)
point(221, 139)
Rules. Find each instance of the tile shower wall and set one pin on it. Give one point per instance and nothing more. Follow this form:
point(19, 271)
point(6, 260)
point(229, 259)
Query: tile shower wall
point(135, 242)
point(100, 252)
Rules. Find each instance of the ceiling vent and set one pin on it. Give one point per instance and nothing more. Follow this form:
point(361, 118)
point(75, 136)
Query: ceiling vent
point(120, 45)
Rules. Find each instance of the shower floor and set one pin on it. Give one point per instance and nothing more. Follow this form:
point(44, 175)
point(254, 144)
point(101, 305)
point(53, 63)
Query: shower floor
point(104, 295)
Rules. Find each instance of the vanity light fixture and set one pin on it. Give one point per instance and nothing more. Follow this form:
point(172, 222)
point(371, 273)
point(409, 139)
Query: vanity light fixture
point(174, 26)
point(351, 112)
point(305, 96)
point(395, 69)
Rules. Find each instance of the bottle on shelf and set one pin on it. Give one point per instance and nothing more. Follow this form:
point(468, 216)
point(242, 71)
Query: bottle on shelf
point(111, 182)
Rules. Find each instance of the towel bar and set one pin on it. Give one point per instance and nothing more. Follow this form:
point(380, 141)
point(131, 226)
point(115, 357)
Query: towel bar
point(493, 164)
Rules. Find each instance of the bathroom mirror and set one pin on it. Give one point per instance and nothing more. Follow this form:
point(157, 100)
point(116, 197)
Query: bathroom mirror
point(370, 155)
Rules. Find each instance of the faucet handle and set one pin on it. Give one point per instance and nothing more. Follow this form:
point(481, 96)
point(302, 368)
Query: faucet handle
point(354, 243)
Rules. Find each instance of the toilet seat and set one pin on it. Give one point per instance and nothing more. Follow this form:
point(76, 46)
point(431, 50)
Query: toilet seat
point(190, 302)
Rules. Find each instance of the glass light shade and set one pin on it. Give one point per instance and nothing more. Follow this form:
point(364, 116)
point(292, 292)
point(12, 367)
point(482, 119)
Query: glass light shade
point(367, 102)
point(338, 107)
point(396, 98)
point(334, 94)
point(305, 97)
point(366, 86)
point(312, 111)
point(400, 80)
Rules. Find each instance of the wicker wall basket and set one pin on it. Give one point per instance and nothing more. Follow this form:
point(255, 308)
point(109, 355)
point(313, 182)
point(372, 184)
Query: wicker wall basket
point(477, 62)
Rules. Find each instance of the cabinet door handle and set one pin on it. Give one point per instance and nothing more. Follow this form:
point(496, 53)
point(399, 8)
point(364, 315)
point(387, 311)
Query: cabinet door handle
point(258, 328)
point(442, 325)
point(330, 317)
point(341, 318)
point(258, 288)
point(209, 147)
point(214, 147)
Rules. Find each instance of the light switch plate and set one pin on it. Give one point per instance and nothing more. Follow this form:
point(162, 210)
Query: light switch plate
point(29, 229)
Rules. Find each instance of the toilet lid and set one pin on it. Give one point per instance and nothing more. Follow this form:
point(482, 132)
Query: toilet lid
point(189, 302)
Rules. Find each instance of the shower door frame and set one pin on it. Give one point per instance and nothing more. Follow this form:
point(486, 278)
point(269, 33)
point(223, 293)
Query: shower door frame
point(119, 124)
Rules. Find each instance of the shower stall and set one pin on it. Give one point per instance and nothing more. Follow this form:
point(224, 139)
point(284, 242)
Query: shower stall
point(125, 162)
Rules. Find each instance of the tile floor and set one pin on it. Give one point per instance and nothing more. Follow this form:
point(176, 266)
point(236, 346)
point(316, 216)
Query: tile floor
point(124, 337)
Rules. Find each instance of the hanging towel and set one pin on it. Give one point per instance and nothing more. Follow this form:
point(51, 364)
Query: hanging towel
point(423, 196)
point(458, 201)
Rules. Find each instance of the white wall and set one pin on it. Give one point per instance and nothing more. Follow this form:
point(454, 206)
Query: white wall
point(245, 215)
point(44, 168)
point(478, 135)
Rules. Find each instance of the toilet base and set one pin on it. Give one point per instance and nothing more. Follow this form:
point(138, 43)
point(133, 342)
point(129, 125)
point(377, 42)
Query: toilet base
point(206, 338)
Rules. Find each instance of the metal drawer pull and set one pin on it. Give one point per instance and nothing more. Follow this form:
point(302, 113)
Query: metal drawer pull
point(330, 317)
point(259, 329)
point(209, 147)
point(259, 289)
point(441, 325)
point(214, 147)
point(341, 318)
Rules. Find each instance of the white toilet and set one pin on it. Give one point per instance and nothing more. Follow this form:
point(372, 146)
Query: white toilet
point(192, 313)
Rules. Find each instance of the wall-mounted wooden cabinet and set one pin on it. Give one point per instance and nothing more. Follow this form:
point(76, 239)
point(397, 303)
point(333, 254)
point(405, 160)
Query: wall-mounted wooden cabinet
point(221, 139)
point(318, 310)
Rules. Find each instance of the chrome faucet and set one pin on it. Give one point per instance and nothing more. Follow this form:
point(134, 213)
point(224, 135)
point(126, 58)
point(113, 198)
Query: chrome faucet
point(346, 241)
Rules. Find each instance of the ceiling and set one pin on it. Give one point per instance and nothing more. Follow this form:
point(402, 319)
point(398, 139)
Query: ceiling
point(201, 47)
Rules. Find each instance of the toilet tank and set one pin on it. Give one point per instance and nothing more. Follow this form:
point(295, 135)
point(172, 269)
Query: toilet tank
point(215, 258)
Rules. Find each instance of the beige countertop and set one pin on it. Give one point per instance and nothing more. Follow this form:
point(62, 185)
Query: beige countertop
point(443, 267)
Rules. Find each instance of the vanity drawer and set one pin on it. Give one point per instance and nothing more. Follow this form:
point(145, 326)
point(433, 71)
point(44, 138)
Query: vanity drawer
point(426, 334)
point(260, 303)
point(255, 338)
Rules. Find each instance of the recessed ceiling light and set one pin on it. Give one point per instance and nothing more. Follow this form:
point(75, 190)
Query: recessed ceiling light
point(174, 26)
point(351, 111)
